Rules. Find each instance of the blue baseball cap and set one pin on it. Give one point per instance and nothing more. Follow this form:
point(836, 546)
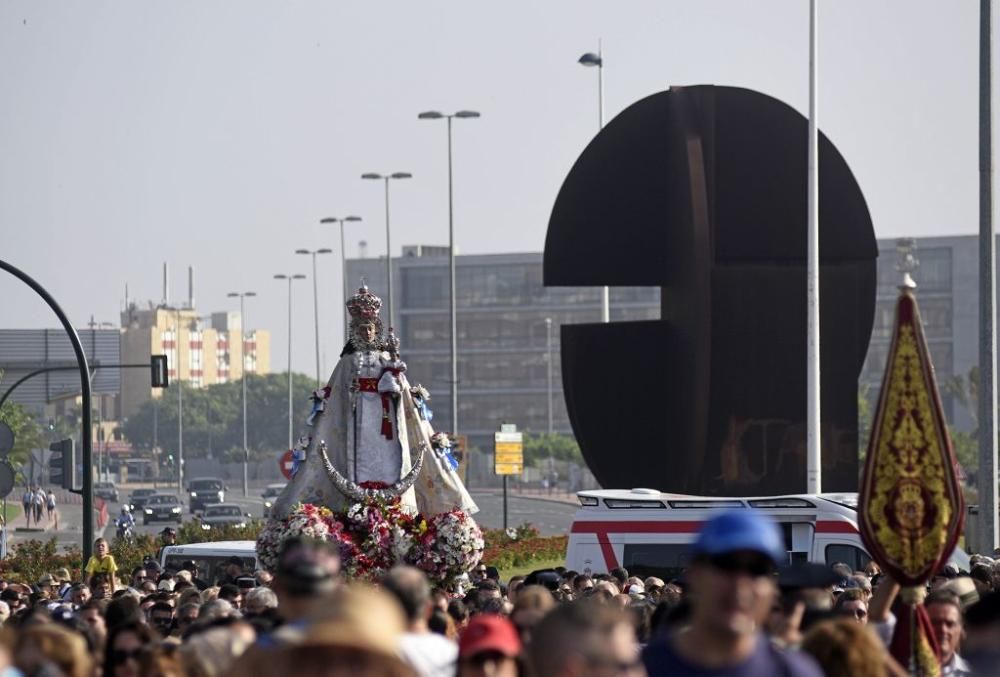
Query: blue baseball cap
point(736, 530)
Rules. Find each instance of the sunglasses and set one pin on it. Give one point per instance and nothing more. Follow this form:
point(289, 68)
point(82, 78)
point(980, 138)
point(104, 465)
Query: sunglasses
point(119, 656)
point(754, 565)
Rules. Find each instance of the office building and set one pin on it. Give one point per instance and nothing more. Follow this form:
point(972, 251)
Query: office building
point(201, 350)
point(502, 306)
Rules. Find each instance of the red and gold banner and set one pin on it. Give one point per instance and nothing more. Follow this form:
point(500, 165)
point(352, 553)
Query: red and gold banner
point(910, 509)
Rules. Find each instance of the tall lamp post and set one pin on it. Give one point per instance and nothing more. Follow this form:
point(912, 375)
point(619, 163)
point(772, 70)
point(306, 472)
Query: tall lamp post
point(290, 278)
point(243, 377)
point(590, 60)
point(548, 368)
point(180, 400)
point(388, 241)
point(343, 262)
point(314, 252)
point(452, 310)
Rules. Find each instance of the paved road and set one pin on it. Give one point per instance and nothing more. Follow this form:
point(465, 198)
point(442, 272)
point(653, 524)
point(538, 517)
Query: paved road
point(551, 518)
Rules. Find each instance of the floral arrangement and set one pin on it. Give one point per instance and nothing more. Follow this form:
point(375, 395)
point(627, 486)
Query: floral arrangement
point(377, 533)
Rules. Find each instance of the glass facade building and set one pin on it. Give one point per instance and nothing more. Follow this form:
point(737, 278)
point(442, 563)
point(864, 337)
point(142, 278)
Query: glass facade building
point(947, 277)
point(502, 307)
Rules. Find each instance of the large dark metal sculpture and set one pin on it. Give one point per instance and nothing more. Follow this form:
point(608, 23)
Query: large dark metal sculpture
point(701, 191)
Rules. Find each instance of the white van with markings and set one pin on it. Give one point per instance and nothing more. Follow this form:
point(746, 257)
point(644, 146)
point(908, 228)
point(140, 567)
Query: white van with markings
point(210, 558)
point(649, 532)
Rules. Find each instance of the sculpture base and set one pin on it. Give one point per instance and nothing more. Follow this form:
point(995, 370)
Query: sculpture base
point(374, 535)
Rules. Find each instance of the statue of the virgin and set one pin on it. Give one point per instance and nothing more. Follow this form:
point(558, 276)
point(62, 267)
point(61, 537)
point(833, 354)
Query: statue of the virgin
point(369, 433)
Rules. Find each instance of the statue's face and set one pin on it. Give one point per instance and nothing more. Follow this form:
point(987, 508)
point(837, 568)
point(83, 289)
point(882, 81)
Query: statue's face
point(367, 332)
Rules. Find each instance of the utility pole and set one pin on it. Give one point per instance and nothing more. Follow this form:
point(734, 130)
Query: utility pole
point(814, 458)
point(988, 535)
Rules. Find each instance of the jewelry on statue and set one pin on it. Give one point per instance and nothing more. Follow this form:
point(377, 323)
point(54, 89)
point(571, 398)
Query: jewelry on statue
point(358, 494)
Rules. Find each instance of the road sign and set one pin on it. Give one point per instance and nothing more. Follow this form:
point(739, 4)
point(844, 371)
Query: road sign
point(7, 479)
point(6, 439)
point(508, 451)
point(286, 464)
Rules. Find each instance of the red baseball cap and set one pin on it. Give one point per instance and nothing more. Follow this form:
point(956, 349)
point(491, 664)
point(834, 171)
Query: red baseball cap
point(489, 632)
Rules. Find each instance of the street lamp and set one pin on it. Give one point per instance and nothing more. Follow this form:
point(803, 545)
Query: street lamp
point(243, 377)
point(453, 313)
point(290, 278)
point(548, 360)
point(591, 60)
point(180, 398)
point(343, 262)
point(314, 252)
point(388, 241)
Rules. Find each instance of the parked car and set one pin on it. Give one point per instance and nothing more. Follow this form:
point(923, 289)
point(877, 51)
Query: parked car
point(206, 491)
point(164, 507)
point(106, 490)
point(137, 499)
point(223, 514)
point(271, 492)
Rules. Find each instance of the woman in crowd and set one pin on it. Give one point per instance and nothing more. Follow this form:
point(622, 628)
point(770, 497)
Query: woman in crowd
point(126, 645)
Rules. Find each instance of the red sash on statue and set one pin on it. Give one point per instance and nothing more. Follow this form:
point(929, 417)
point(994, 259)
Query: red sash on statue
point(370, 385)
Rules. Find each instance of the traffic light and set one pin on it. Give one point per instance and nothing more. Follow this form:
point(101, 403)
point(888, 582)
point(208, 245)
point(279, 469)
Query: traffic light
point(158, 371)
point(62, 463)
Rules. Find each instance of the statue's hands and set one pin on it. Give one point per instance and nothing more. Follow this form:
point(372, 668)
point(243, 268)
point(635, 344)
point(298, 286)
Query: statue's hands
point(389, 384)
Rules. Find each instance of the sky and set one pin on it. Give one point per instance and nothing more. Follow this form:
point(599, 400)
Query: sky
point(217, 134)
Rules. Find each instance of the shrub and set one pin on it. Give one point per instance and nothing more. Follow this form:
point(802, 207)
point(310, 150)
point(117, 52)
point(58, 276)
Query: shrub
point(521, 546)
point(27, 561)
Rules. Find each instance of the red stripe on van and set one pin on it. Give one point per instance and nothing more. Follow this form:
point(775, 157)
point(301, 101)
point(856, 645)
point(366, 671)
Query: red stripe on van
point(605, 527)
point(835, 527)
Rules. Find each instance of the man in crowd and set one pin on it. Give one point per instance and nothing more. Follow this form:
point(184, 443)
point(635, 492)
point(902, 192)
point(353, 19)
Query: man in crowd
point(945, 612)
point(584, 639)
point(161, 617)
point(732, 589)
point(430, 654)
point(232, 571)
point(168, 536)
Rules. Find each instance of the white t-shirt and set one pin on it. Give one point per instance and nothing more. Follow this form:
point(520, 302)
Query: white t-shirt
point(429, 653)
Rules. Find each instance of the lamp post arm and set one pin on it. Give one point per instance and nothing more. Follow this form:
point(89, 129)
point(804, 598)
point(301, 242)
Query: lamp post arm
point(86, 434)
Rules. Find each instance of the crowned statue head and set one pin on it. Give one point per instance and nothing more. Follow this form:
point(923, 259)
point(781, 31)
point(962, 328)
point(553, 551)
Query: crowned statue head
point(366, 326)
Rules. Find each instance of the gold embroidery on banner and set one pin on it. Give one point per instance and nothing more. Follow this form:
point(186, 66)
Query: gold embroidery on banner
point(910, 506)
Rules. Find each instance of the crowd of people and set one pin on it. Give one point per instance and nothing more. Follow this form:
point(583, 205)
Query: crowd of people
point(36, 501)
point(733, 612)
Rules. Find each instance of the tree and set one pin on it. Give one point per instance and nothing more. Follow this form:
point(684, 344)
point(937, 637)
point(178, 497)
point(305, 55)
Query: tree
point(864, 420)
point(27, 432)
point(26, 429)
point(213, 417)
point(965, 390)
point(543, 446)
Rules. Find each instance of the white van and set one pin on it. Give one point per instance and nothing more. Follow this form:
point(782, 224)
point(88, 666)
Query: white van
point(210, 558)
point(649, 532)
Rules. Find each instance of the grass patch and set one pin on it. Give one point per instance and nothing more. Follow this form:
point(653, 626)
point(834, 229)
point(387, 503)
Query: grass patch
point(505, 574)
point(13, 513)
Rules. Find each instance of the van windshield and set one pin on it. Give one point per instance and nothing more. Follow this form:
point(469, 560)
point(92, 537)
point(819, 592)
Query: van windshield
point(206, 485)
point(210, 567)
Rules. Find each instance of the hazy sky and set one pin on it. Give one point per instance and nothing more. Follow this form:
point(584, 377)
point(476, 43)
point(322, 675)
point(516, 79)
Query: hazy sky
point(217, 134)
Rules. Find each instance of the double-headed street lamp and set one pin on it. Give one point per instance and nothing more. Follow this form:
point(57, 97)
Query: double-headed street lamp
point(314, 252)
point(343, 263)
point(243, 377)
point(290, 278)
point(388, 241)
point(453, 320)
point(590, 60)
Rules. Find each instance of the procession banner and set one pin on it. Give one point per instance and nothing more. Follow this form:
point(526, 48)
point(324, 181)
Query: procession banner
point(910, 510)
